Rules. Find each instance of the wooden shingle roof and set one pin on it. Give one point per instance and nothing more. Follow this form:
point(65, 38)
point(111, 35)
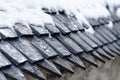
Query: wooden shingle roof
point(51, 49)
point(28, 49)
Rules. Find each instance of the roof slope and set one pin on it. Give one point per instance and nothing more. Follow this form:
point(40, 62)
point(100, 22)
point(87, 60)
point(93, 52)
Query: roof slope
point(26, 48)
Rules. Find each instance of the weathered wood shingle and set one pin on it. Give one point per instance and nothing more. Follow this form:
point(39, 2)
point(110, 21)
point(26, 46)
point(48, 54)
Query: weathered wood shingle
point(12, 53)
point(53, 48)
point(27, 50)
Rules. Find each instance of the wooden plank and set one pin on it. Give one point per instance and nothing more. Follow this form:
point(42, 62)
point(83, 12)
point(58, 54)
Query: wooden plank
point(116, 46)
point(115, 17)
point(105, 48)
point(70, 44)
point(113, 49)
point(77, 24)
point(39, 30)
point(96, 55)
point(77, 61)
point(112, 30)
point(51, 28)
point(49, 66)
point(27, 50)
point(118, 42)
point(93, 22)
point(14, 73)
point(63, 63)
point(12, 53)
point(58, 47)
point(110, 34)
point(39, 74)
point(103, 20)
point(4, 62)
point(22, 30)
point(43, 48)
point(28, 68)
point(80, 42)
point(2, 76)
point(90, 59)
point(116, 29)
point(60, 26)
point(6, 32)
point(93, 38)
point(103, 53)
point(102, 33)
point(66, 21)
point(98, 36)
point(87, 40)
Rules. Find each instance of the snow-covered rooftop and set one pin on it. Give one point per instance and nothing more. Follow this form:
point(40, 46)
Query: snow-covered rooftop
point(30, 11)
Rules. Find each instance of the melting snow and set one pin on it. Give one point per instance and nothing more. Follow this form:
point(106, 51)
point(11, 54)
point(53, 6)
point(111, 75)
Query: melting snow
point(110, 24)
point(118, 12)
point(30, 11)
point(22, 11)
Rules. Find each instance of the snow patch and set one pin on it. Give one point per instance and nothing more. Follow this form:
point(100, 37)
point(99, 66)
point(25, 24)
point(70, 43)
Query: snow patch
point(87, 7)
point(113, 3)
point(81, 9)
point(118, 12)
point(22, 11)
point(90, 30)
point(110, 24)
point(30, 11)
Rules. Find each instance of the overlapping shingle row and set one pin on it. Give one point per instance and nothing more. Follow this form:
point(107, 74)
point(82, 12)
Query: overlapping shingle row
point(28, 49)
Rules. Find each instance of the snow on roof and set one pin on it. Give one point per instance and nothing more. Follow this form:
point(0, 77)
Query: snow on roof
point(113, 2)
point(30, 11)
point(23, 11)
point(118, 12)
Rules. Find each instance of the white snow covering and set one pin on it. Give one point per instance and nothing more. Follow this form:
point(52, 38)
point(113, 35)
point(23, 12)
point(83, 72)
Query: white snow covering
point(72, 7)
point(112, 4)
point(118, 12)
point(90, 30)
point(22, 11)
point(30, 11)
point(110, 24)
point(115, 2)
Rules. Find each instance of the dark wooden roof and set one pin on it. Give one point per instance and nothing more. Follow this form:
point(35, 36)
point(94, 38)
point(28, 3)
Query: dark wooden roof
point(26, 49)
